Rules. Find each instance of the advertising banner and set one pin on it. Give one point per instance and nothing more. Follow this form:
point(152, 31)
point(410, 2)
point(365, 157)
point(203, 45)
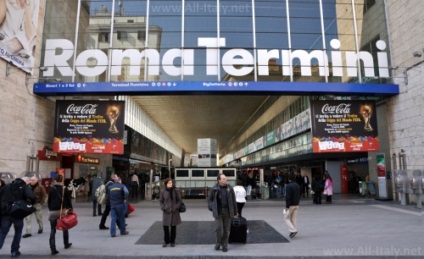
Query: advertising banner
point(18, 31)
point(344, 126)
point(381, 175)
point(92, 127)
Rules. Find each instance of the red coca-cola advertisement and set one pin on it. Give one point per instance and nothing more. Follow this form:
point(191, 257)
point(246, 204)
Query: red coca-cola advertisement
point(344, 126)
point(92, 127)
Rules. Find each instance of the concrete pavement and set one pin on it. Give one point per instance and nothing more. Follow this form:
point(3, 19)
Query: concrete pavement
point(351, 227)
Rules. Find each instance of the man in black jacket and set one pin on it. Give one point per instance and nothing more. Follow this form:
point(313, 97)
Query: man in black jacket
point(15, 191)
point(292, 204)
point(222, 203)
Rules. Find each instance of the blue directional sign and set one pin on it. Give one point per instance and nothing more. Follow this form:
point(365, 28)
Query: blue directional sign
point(140, 88)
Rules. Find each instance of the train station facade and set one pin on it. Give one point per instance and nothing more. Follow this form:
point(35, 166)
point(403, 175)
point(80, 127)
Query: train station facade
point(351, 71)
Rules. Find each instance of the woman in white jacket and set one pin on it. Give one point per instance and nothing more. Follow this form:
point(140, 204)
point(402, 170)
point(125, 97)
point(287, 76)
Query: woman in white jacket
point(240, 193)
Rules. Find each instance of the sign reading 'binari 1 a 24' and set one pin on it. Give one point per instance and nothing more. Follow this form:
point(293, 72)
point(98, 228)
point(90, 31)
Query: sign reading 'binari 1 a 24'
point(235, 62)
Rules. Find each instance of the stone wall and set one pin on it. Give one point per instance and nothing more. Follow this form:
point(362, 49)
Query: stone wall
point(405, 111)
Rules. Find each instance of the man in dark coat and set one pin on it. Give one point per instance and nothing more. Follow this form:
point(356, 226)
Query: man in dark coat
point(15, 191)
point(299, 181)
point(292, 204)
point(222, 203)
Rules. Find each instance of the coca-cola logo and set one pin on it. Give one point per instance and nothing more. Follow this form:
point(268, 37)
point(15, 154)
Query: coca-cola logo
point(83, 109)
point(336, 109)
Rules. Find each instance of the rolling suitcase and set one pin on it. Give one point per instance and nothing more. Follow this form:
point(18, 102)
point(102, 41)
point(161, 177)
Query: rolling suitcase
point(238, 232)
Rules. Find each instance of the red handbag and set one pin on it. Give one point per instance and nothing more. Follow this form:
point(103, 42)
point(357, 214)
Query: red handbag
point(67, 221)
point(131, 208)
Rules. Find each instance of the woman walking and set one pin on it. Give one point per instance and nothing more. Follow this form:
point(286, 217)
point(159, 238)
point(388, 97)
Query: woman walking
point(59, 198)
point(328, 187)
point(240, 193)
point(170, 202)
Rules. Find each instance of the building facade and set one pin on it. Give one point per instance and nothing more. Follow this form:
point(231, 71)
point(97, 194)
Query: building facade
point(365, 42)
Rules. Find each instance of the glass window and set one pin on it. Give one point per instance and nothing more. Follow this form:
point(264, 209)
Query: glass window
point(201, 25)
point(229, 173)
point(182, 173)
point(197, 173)
point(212, 173)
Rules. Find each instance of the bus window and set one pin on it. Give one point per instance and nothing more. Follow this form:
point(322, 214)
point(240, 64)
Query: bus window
point(229, 173)
point(197, 173)
point(213, 173)
point(181, 173)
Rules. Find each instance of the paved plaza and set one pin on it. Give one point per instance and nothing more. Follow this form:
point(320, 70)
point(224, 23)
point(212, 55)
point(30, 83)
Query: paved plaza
point(352, 226)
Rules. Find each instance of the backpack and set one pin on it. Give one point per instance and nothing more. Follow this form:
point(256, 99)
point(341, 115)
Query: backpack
point(101, 195)
point(8, 195)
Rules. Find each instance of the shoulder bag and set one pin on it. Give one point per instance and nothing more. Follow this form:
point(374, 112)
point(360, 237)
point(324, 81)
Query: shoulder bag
point(68, 219)
point(182, 207)
point(20, 209)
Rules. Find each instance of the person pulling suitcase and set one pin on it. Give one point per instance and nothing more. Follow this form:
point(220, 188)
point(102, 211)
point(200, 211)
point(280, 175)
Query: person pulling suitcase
point(222, 203)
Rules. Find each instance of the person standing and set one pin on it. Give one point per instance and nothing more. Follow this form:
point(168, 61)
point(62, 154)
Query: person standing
point(59, 200)
point(317, 188)
point(305, 186)
point(299, 180)
point(16, 191)
point(134, 187)
point(96, 184)
point(117, 194)
point(328, 187)
point(170, 203)
point(222, 203)
point(240, 193)
point(292, 204)
point(40, 198)
point(106, 212)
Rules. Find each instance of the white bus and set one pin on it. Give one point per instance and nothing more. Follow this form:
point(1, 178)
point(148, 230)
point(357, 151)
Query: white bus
point(194, 182)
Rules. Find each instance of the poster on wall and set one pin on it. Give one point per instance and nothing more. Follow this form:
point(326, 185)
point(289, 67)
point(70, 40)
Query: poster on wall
point(381, 175)
point(18, 32)
point(344, 126)
point(92, 127)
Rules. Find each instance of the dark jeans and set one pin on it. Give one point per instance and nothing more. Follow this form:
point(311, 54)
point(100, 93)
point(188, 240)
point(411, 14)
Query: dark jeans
point(305, 191)
point(134, 191)
point(223, 227)
point(117, 215)
point(52, 239)
point(173, 234)
point(328, 198)
point(317, 197)
point(6, 223)
point(99, 208)
point(240, 206)
point(104, 217)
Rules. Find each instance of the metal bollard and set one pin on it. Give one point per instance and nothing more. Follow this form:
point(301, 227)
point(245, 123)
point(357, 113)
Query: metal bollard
point(401, 182)
point(416, 186)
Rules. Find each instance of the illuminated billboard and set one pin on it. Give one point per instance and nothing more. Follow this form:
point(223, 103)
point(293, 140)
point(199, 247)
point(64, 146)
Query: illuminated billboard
point(344, 126)
point(95, 127)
